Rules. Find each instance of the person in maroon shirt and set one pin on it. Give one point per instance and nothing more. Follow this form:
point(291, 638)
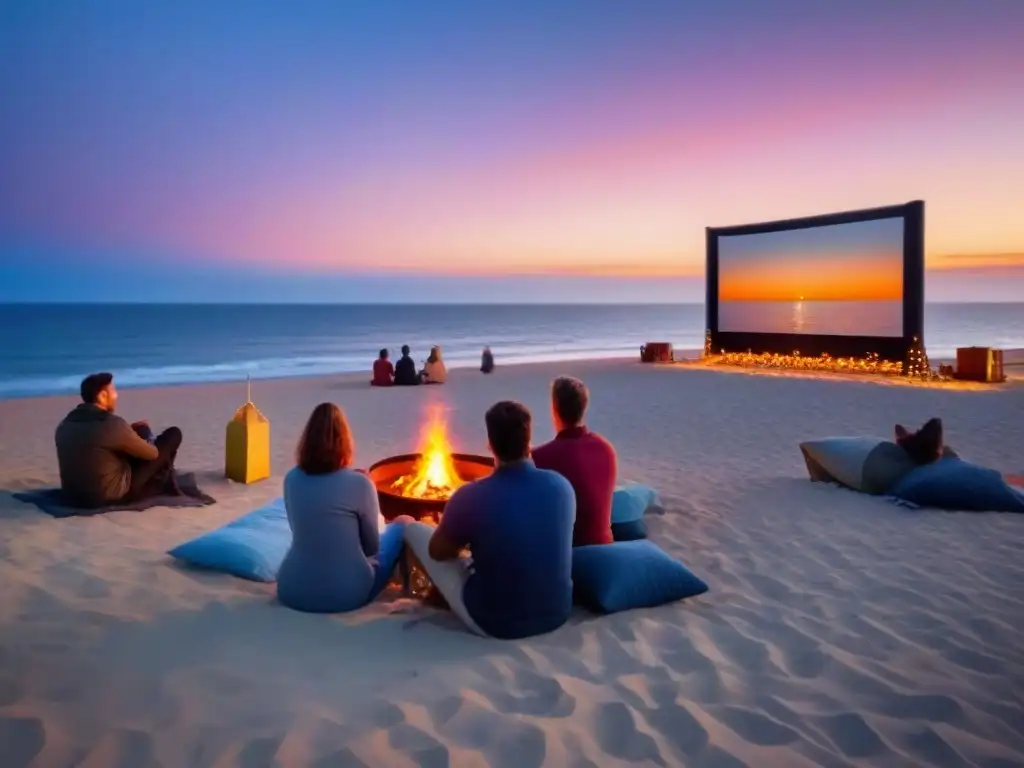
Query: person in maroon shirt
point(383, 371)
point(582, 457)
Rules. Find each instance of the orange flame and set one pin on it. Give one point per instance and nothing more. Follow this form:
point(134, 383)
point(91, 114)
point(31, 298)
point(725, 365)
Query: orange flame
point(433, 475)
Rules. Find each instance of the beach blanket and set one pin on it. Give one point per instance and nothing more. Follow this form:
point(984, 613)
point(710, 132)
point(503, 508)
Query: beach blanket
point(51, 501)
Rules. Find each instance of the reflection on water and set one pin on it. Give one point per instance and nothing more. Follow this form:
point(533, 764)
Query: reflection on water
point(798, 316)
point(838, 318)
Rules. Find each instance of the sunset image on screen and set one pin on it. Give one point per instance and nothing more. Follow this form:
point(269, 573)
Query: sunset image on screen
point(842, 280)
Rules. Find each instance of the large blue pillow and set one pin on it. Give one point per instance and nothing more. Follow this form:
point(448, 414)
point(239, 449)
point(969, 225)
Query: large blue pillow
point(955, 484)
point(629, 574)
point(251, 547)
point(630, 502)
point(631, 531)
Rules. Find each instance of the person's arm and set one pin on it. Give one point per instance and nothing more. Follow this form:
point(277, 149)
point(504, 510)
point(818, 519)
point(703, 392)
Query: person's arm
point(455, 531)
point(126, 440)
point(369, 516)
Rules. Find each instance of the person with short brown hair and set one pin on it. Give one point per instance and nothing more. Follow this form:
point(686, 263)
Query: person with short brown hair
point(517, 524)
point(103, 459)
point(584, 458)
point(340, 558)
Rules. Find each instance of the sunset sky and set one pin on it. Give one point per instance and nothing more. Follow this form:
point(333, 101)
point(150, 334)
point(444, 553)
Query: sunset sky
point(844, 262)
point(491, 151)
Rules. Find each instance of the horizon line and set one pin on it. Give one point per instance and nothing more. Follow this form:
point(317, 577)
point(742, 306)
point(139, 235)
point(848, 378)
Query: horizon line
point(271, 303)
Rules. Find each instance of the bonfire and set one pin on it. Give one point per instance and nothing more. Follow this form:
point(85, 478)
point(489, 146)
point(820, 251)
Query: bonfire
point(433, 475)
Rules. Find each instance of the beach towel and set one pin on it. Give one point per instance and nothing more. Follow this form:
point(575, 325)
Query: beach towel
point(51, 500)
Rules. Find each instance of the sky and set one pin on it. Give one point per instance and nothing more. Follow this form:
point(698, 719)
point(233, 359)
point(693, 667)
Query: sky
point(862, 261)
point(248, 150)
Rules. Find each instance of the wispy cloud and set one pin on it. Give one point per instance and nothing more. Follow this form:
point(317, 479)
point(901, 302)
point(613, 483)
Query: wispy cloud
point(975, 261)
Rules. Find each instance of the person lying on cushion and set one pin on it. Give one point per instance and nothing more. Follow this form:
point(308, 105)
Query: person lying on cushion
point(105, 460)
point(517, 525)
point(405, 370)
point(926, 445)
point(582, 457)
point(338, 560)
point(383, 371)
point(434, 372)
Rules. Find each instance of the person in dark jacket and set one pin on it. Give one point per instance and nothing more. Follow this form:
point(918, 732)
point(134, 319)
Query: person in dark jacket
point(405, 371)
point(487, 361)
point(103, 459)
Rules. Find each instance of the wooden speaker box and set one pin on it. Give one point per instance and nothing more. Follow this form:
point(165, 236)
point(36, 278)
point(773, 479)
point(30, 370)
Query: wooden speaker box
point(980, 364)
point(656, 352)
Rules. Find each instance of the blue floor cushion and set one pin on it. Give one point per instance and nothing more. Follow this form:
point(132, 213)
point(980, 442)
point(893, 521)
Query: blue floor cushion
point(251, 547)
point(631, 501)
point(955, 484)
point(867, 464)
point(631, 531)
point(629, 574)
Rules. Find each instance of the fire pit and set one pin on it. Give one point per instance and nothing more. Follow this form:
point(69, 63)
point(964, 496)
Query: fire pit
point(419, 484)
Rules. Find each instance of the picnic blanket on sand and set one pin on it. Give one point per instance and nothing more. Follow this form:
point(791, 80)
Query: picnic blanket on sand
point(51, 501)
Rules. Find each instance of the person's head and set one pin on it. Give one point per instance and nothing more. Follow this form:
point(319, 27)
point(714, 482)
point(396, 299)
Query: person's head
point(569, 399)
point(487, 352)
point(435, 355)
point(923, 446)
point(326, 444)
point(383, 354)
point(98, 389)
point(508, 431)
point(405, 350)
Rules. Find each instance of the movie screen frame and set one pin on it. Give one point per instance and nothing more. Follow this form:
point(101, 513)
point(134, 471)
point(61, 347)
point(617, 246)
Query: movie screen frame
point(892, 348)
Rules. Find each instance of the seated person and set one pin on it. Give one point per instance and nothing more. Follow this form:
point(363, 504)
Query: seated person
point(434, 372)
point(517, 525)
point(926, 445)
point(339, 560)
point(487, 361)
point(104, 460)
point(582, 457)
point(405, 370)
point(383, 371)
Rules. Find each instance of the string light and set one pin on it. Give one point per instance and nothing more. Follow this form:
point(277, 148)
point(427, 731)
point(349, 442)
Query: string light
point(917, 363)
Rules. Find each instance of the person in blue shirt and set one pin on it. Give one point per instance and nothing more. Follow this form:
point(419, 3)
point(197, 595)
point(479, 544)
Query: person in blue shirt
point(340, 559)
point(517, 525)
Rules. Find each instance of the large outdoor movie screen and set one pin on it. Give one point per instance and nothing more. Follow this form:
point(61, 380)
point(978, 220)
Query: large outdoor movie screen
point(840, 280)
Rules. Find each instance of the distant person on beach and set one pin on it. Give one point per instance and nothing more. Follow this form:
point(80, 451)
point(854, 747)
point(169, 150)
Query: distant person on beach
point(517, 525)
point(486, 361)
point(434, 372)
point(103, 459)
point(582, 457)
point(405, 370)
point(339, 558)
point(383, 371)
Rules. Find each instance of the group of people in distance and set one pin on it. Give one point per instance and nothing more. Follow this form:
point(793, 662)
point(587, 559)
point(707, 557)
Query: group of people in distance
point(518, 526)
point(404, 373)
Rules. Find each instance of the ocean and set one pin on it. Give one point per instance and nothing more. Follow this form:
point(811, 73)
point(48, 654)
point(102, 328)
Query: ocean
point(46, 349)
point(831, 318)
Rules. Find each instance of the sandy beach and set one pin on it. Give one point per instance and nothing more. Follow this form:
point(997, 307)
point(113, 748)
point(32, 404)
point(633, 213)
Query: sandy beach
point(839, 630)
